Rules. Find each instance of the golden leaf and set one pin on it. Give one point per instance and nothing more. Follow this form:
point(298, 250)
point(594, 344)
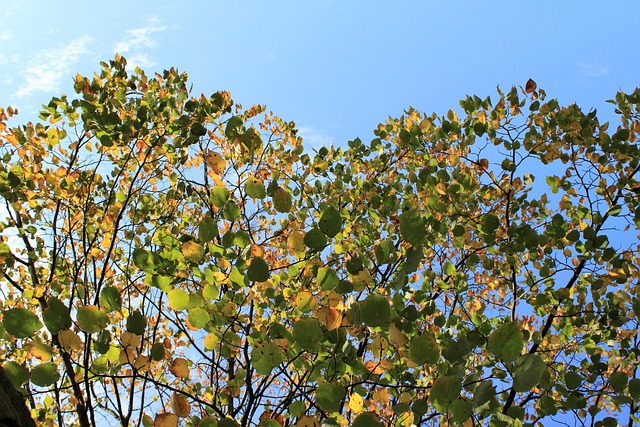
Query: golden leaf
point(166, 419)
point(180, 368)
point(215, 162)
point(180, 405)
point(307, 421)
point(330, 317)
point(355, 403)
point(69, 340)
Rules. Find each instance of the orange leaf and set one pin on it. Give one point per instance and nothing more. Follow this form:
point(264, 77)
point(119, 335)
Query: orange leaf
point(180, 405)
point(180, 368)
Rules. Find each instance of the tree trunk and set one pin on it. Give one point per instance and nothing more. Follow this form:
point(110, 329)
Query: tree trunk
point(13, 409)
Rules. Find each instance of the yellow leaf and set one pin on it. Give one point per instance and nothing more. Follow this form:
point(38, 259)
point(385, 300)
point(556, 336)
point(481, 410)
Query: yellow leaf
point(166, 419)
point(382, 396)
point(193, 251)
point(441, 188)
point(396, 337)
point(330, 317)
point(180, 368)
point(307, 421)
point(69, 340)
point(295, 242)
point(142, 363)
point(355, 403)
point(215, 162)
point(129, 339)
point(306, 302)
point(39, 350)
point(180, 405)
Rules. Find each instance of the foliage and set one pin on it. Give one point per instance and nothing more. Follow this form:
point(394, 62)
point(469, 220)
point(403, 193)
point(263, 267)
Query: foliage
point(175, 259)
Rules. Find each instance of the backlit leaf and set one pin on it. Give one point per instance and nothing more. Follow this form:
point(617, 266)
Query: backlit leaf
point(20, 322)
point(45, 374)
point(507, 341)
point(91, 319)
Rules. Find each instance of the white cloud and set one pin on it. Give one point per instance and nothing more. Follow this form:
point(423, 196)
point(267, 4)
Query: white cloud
point(592, 70)
point(51, 66)
point(135, 47)
point(140, 38)
point(313, 139)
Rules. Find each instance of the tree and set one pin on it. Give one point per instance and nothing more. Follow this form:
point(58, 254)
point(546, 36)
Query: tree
point(175, 259)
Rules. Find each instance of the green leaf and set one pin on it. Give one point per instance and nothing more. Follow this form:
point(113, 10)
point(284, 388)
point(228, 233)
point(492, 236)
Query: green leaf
point(506, 342)
point(329, 396)
point(412, 228)
point(307, 333)
point(56, 316)
point(178, 299)
point(210, 292)
point(220, 196)
point(449, 269)
point(461, 409)
point(424, 349)
point(266, 356)
point(367, 420)
point(315, 239)
point(444, 392)
point(18, 374)
point(327, 278)
point(207, 229)
point(20, 322)
point(634, 388)
point(45, 374)
point(110, 299)
point(281, 200)
point(255, 188)
point(330, 222)
point(136, 322)
point(91, 319)
point(573, 380)
point(297, 408)
point(157, 351)
point(375, 310)
point(621, 135)
point(234, 127)
point(258, 271)
point(618, 381)
point(529, 369)
point(198, 318)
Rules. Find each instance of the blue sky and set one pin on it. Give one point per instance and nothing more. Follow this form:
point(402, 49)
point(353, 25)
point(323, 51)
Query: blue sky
point(337, 68)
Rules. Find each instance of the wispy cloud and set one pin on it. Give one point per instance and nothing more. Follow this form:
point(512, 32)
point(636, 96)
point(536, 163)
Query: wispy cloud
point(51, 66)
point(139, 41)
point(592, 70)
point(314, 139)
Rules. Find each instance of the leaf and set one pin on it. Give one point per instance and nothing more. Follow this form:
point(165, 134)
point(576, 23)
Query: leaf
point(330, 222)
point(424, 349)
point(180, 405)
point(281, 200)
point(166, 419)
point(375, 310)
point(69, 340)
point(412, 228)
point(220, 196)
point(255, 188)
point(307, 421)
point(110, 299)
point(306, 302)
point(529, 369)
point(178, 299)
point(507, 341)
point(307, 333)
point(315, 239)
point(266, 356)
point(56, 316)
point(444, 392)
point(198, 318)
point(91, 319)
point(329, 396)
point(179, 367)
point(20, 322)
point(18, 374)
point(136, 322)
point(367, 420)
point(295, 242)
point(330, 317)
point(45, 374)
point(258, 270)
point(215, 162)
point(327, 278)
point(531, 86)
point(207, 229)
point(193, 251)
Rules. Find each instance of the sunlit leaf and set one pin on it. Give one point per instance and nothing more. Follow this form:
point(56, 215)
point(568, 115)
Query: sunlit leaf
point(179, 367)
point(91, 319)
point(281, 200)
point(180, 405)
point(110, 299)
point(178, 299)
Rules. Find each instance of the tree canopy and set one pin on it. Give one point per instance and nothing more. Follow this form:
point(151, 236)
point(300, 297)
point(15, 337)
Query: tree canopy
point(170, 259)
